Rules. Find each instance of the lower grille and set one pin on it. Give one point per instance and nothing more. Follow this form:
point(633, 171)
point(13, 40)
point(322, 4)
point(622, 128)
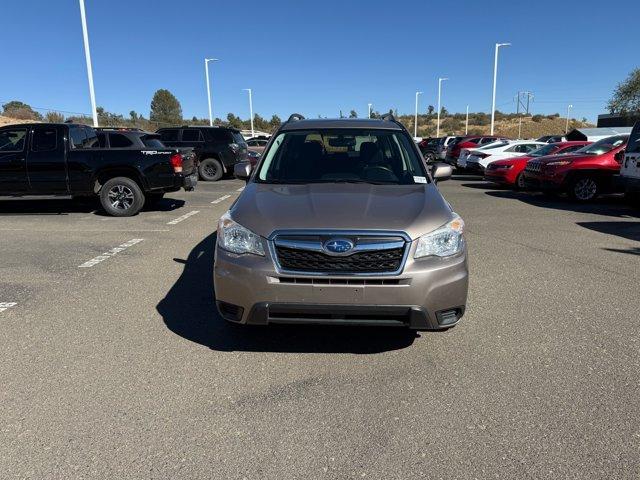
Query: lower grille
point(381, 261)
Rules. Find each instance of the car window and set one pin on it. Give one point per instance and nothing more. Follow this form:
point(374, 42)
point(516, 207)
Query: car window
point(219, 135)
point(169, 135)
point(634, 140)
point(78, 137)
point(91, 138)
point(152, 141)
point(474, 140)
point(571, 148)
point(344, 155)
point(252, 143)
point(238, 138)
point(102, 139)
point(12, 140)
point(44, 139)
point(544, 150)
point(603, 146)
point(117, 140)
point(486, 140)
point(191, 135)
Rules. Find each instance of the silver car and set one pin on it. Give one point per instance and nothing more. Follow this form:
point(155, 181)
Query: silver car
point(341, 223)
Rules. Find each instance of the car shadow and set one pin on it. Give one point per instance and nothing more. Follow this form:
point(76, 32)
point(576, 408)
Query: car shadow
point(189, 310)
point(608, 205)
point(628, 230)
point(77, 205)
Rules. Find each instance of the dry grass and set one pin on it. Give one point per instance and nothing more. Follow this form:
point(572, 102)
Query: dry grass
point(11, 121)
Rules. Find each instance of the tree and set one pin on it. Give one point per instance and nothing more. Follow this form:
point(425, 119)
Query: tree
point(234, 121)
point(430, 110)
point(54, 117)
point(275, 122)
point(353, 114)
point(165, 108)
point(133, 115)
point(626, 97)
point(20, 110)
point(443, 112)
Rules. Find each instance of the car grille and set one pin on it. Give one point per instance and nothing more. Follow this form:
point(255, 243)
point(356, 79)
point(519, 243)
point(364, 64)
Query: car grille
point(371, 253)
point(533, 167)
point(364, 262)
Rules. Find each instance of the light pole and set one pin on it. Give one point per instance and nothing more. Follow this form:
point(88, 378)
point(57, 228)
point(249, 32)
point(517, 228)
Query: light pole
point(440, 80)
point(466, 122)
point(415, 125)
point(250, 108)
point(369, 104)
point(206, 72)
point(569, 107)
point(495, 75)
point(87, 55)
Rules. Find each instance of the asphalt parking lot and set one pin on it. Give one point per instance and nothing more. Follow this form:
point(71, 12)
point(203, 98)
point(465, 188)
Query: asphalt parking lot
point(114, 364)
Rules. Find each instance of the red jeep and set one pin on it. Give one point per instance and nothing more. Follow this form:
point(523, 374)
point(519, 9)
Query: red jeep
point(583, 174)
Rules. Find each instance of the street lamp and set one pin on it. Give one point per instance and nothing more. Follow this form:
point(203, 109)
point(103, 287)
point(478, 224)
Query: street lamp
point(440, 80)
point(87, 55)
point(495, 75)
point(569, 107)
point(369, 104)
point(250, 108)
point(206, 72)
point(466, 123)
point(415, 125)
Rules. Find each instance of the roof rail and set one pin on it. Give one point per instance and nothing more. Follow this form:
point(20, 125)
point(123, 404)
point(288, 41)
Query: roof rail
point(295, 117)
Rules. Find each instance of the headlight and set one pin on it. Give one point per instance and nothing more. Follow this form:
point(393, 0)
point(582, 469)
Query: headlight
point(443, 242)
point(558, 163)
point(234, 238)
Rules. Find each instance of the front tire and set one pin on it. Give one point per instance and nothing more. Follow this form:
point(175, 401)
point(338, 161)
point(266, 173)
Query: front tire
point(210, 170)
point(121, 197)
point(584, 188)
point(519, 183)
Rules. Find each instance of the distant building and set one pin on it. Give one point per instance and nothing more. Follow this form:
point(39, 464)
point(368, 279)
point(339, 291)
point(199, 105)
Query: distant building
point(618, 120)
point(595, 134)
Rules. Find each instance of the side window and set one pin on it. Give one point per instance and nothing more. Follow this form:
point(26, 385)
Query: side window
point(514, 148)
point(218, 135)
point(191, 135)
point(474, 140)
point(169, 135)
point(252, 143)
point(634, 140)
point(44, 139)
point(484, 141)
point(117, 140)
point(92, 138)
point(77, 137)
point(12, 140)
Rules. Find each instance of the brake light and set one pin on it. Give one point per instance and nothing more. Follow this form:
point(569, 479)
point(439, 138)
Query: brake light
point(176, 162)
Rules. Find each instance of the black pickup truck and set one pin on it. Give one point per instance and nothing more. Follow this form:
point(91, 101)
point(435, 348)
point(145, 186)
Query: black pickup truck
point(63, 159)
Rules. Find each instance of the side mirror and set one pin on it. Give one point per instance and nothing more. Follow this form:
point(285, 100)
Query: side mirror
point(441, 172)
point(242, 171)
point(620, 155)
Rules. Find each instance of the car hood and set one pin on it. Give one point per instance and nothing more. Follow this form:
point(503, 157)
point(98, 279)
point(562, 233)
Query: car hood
point(512, 160)
point(413, 209)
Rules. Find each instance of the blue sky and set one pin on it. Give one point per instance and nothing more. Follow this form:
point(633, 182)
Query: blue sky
point(319, 57)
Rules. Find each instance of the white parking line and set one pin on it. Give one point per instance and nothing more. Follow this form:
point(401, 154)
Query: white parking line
point(183, 217)
point(218, 200)
point(6, 305)
point(110, 253)
point(240, 189)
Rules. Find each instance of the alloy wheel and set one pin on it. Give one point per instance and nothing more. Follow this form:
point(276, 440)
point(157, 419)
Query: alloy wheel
point(585, 188)
point(121, 197)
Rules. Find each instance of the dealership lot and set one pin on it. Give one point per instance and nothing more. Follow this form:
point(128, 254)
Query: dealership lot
point(114, 363)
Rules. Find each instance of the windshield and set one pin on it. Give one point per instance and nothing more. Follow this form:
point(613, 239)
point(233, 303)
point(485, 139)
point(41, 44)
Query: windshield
point(542, 151)
point(603, 146)
point(344, 155)
point(152, 141)
point(496, 144)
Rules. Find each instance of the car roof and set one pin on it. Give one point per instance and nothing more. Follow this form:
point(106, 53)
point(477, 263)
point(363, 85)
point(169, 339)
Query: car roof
point(330, 123)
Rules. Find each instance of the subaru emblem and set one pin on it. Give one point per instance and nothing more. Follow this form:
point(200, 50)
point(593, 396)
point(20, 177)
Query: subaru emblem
point(338, 245)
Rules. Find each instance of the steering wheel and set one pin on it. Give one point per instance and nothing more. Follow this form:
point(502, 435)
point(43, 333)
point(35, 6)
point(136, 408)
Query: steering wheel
point(380, 168)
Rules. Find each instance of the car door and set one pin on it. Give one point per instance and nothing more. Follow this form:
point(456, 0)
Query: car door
point(13, 165)
point(46, 161)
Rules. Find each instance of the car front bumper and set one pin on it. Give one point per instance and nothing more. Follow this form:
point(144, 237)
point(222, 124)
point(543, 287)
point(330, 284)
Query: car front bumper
point(430, 293)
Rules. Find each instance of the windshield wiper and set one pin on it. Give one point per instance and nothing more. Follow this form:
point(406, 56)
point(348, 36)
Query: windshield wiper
point(354, 180)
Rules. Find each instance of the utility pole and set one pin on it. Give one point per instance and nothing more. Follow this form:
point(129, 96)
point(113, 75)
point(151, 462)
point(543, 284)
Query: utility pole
point(520, 103)
point(87, 55)
point(369, 104)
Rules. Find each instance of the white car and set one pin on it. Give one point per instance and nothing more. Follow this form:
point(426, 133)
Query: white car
point(461, 162)
point(479, 159)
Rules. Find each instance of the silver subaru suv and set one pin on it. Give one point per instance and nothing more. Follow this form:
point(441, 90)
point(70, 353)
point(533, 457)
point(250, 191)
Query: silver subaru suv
point(341, 223)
